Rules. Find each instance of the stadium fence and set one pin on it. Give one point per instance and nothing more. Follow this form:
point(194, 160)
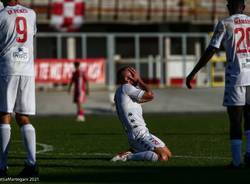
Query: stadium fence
point(162, 59)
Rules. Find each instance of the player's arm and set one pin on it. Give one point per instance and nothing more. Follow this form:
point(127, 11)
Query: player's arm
point(148, 93)
point(87, 88)
point(71, 83)
point(87, 83)
point(70, 86)
point(215, 43)
point(208, 54)
point(35, 23)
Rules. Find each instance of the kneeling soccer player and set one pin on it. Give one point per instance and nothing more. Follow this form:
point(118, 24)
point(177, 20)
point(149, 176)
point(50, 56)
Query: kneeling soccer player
point(144, 145)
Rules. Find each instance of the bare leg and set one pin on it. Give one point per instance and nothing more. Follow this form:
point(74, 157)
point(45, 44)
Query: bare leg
point(5, 118)
point(164, 153)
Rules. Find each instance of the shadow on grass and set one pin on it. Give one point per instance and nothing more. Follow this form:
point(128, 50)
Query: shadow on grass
point(157, 133)
point(58, 169)
point(101, 111)
point(102, 134)
point(147, 174)
point(63, 158)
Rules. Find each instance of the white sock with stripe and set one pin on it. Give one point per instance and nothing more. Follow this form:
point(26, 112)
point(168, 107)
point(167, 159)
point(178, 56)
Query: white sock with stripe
point(143, 156)
point(4, 144)
point(29, 139)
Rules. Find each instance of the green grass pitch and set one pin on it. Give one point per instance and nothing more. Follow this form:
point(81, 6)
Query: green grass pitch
point(81, 151)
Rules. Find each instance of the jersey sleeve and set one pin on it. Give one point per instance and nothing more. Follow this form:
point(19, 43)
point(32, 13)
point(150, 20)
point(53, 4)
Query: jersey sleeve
point(133, 92)
point(35, 28)
point(218, 35)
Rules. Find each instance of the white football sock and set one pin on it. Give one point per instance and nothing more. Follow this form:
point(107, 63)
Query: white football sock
point(146, 155)
point(236, 151)
point(29, 139)
point(4, 144)
point(248, 142)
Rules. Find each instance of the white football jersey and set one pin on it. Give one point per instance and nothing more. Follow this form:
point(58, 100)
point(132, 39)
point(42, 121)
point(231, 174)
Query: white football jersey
point(234, 33)
point(18, 27)
point(129, 110)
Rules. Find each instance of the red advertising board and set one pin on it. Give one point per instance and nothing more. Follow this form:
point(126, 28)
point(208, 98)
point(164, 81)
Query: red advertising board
point(60, 70)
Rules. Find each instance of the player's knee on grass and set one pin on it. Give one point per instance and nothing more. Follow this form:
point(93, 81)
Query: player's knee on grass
point(164, 153)
point(22, 119)
point(5, 118)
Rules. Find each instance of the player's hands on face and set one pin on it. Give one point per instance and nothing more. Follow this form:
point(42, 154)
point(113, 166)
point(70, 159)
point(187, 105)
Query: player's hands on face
point(135, 77)
point(189, 78)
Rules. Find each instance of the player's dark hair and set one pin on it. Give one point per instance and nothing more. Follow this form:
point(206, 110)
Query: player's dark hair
point(236, 6)
point(76, 64)
point(119, 74)
point(6, 2)
point(236, 2)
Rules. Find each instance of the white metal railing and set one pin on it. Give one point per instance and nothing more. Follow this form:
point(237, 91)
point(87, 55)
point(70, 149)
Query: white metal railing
point(162, 64)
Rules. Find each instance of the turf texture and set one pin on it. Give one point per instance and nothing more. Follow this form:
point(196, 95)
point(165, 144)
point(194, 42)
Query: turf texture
point(73, 152)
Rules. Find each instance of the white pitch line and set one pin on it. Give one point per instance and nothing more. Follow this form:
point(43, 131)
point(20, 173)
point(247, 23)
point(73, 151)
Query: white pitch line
point(202, 157)
point(176, 156)
point(45, 148)
point(85, 154)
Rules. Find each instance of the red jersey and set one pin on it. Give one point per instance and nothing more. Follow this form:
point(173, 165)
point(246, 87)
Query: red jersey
point(79, 80)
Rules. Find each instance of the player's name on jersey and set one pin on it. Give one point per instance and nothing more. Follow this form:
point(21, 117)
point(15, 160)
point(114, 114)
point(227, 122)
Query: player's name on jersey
point(17, 11)
point(241, 21)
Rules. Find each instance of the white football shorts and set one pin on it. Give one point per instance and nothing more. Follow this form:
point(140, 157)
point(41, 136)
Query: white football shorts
point(146, 143)
point(237, 96)
point(17, 94)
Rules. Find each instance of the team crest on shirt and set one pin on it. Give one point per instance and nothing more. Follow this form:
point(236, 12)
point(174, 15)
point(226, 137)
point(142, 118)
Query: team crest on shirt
point(20, 54)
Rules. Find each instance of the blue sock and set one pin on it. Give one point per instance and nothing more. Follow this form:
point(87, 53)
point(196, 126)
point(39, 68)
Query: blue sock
point(144, 156)
point(236, 151)
point(248, 143)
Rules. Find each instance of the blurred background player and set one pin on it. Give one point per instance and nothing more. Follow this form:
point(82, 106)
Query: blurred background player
point(81, 90)
point(17, 91)
point(128, 97)
point(233, 32)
